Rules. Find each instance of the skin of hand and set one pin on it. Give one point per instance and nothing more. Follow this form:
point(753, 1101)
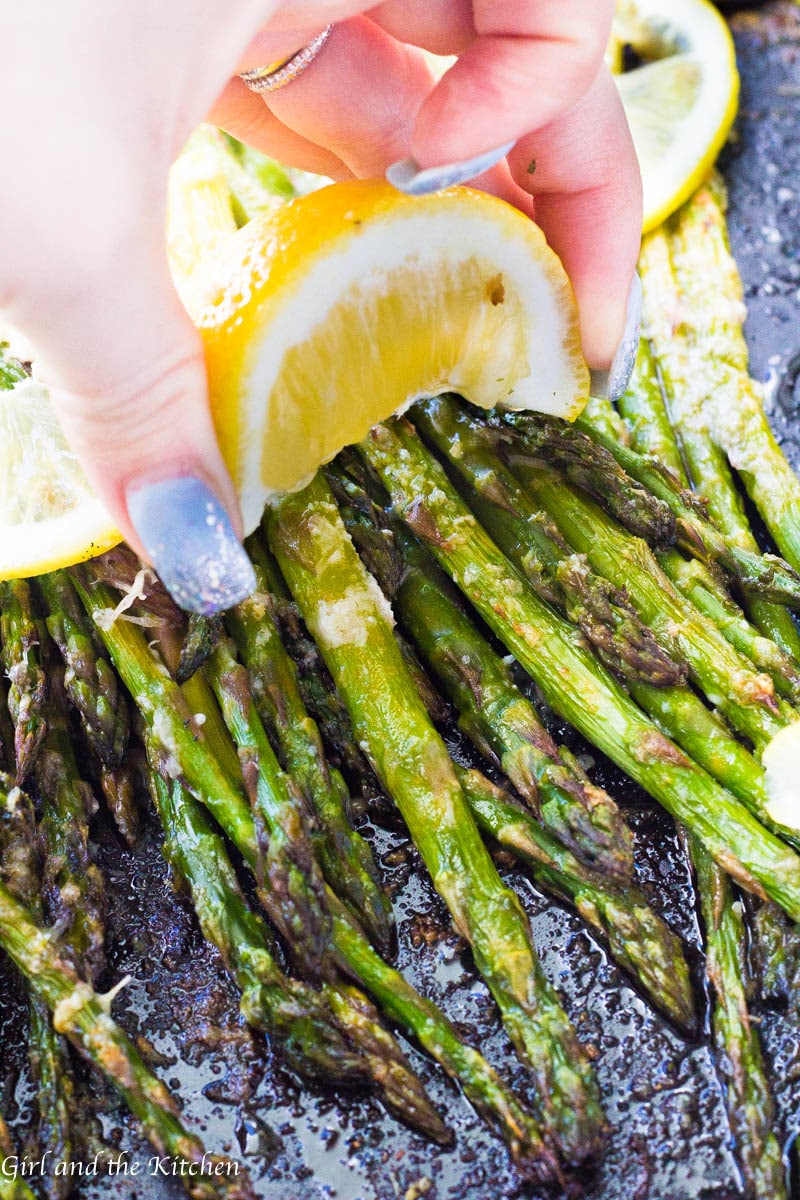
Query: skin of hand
point(97, 102)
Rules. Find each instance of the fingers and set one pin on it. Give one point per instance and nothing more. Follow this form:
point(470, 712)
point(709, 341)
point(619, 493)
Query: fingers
point(245, 115)
point(583, 173)
point(528, 61)
point(126, 371)
point(359, 99)
point(441, 26)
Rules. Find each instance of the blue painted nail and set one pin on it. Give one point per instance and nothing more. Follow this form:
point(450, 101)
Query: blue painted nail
point(611, 384)
point(407, 177)
point(191, 543)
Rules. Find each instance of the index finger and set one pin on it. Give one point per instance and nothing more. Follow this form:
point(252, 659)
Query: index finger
point(520, 65)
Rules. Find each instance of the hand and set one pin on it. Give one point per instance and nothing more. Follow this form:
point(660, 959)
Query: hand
point(98, 106)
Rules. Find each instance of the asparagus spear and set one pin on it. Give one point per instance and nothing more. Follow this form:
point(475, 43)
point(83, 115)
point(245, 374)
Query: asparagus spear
point(202, 635)
point(349, 618)
point(732, 405)
point(20, 869)
point(678, 712)
point(183, 757)
point(779, 650)
point(746, 698)
point(622, 642)
point(642, 406)
point(603, 467)
point(118, 785)
point(89, 679)
point(739, 1061)
point(317, 691)
point(774, 953)
point(638, 939)
point(494, 714)
point(422, 1019)
point(200, 856)
point(311, 1027)
point(172, 730)
point(295, 897)
point(19, 648)
point(72, 886)
point(344, 856)
point(174, 737)
point(82, 1015)
point(544, 646)
point(694, 580)
point(10, 1189)
point(704, 460)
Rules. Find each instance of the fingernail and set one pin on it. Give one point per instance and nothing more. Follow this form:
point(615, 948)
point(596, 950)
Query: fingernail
point(407, 177)
point(612, 384)
point(191, 543)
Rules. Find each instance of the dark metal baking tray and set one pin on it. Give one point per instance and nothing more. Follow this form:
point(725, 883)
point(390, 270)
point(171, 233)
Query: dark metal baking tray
point(669, 1138)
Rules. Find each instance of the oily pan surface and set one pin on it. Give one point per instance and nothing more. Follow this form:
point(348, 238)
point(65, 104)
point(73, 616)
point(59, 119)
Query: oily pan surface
point(668, 1137)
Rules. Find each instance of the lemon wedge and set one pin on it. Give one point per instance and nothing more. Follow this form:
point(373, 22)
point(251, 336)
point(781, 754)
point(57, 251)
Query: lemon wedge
point(49, 516)
point(344, 306)
point(319, 319)
point(682, 101)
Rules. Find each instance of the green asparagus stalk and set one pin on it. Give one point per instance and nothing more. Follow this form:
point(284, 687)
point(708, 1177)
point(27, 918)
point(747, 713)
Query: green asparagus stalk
point(185, 758)
point(180, 745)
point(423, 1020)
point(745, 697)
point(10, 1188)
point(20, 870)
point(317, 691)
point(732, 405)
point(602, 612)
point(774, 945)
point(773, 644)
point(639, 941)
point(295, 896)
point(82, 1015)
point(202, 635)
point(290, 903)
point(694, 580)
point(642, 405)
point(118, 785)
point(544, 645)
point(705, 462)
point(199, 855)
point(333, 1034)
point(89, 679)
point(678, 712)
point(498, 719)
point(605, 468)
point(344, 856)
point(349, 618)
point(739, 1060)
point(401, 1090)
point(19, 649)
point(300, 1020)
point(72, 886)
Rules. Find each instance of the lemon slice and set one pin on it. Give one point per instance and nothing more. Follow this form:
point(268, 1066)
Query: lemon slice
point(344, 306)
point(49, 516)
point(681, 104)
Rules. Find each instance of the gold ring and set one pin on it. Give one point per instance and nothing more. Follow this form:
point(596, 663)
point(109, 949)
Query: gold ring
point(277, 75)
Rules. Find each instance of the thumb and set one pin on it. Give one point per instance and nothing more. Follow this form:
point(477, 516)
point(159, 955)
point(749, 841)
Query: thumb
point(126, 371)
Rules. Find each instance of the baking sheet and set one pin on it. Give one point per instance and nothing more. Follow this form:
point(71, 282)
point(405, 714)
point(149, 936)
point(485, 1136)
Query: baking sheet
point(668, 1137)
